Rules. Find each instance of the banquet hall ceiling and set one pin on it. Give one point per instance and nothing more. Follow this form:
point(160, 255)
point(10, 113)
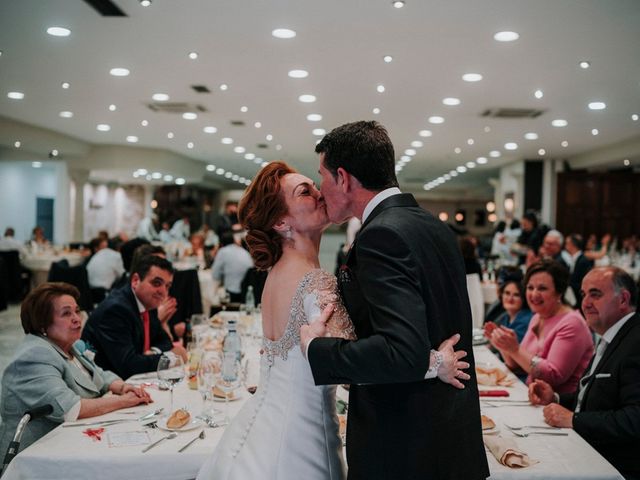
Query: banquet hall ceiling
point(342, 45)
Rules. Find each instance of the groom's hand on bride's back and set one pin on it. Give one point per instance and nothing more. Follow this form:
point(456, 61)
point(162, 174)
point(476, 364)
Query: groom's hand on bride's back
point(316, 328)
point(451, 368)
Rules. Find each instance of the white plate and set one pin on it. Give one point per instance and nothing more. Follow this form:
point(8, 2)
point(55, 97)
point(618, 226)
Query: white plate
point(193, 423)
point(237, 395)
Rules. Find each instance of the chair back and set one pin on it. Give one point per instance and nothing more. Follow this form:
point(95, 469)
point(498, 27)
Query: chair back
point(14, 279)
point(256, 278)
point(476, 301)
point(186, 290)
point(4, 285)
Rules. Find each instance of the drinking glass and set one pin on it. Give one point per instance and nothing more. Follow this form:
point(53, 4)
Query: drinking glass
point(171, 372)
point(228, 378)
point(208, 372)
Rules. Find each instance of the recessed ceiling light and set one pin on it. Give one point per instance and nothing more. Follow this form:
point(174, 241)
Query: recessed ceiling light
point(269, 137)
point(66, 85)
point(257, 124)
point(132, 139)
point(189, 115)
point(461, 169)
point(487, 129)
point(417, 144)
point(542, 151)
point(278, 147)
point(559, 122)
point(220, 171)
point(54, 153)
point(17, 144)
point(244, 109)
point(66, 114)
point(380, 88)
point(160, 97)
point(226, 140)
point(410, 152)
point(453, 173)
point(481, 160)
point(471, 164)
point(228, 175)
point(457, 150)
point(471, 77)
point(144, 123)
point(506, 36)
point(180, 181)
point(249, 156)
point(15, 95)
point(156, 175)
point(451, 101)
point(235, 178)
point(634, 117)
point(398, 4)
point(538, 94)
point(511, 146)
point(564, 143)
point(387, 59)
point(103, 127)
point(594, 131)
point(376, 111)
point(224, 86)
point(193, 55)
point(531, 136)
point(168, 178)
point(584, 64)
point(307, 98)
point(436, 120)
point(425, 133)
point(142, 171)
point(494, 153)
point(148, 177)
point(239, 149)
point(112, 108)
point(283, 33)
point(298, 73)
point(211, 168)
point(319, 131)
point(119, 72)
point(470, 141)
point(314, 117)
point(59, 31)
point(190, 145)
point(405, 158)
point(209, 129)
point(626, 162)
point(170, 135)
point(597, 106)
point(145, 3)
point(446, 176)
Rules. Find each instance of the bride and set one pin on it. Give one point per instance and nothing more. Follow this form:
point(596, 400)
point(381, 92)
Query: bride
point(289, 428)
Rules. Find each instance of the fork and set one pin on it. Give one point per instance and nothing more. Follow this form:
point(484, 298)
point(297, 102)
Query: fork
point(526, 434)
point(545, 427)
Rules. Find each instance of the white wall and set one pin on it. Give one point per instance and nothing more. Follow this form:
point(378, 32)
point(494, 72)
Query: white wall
point(21, 184)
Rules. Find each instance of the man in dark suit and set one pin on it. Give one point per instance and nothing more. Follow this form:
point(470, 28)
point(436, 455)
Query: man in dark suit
point(580, 264)
point(405, 290)
point(605, 410)
point(125, 330)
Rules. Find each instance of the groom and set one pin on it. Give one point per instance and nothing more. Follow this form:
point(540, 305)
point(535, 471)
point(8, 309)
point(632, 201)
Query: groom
point(404, 287)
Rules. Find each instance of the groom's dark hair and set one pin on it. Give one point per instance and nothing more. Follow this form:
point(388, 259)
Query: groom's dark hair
point(364, 150)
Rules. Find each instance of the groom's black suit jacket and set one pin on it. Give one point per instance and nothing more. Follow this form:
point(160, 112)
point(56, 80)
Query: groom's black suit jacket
point(609, 417)
point(404, 287)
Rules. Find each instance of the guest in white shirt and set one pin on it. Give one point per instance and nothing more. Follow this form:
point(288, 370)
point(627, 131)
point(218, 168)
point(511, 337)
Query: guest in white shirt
point(8, 242)
point(231, 264)
point(105, 267)
point(181, 230)
point(165, 233)
point(147, 228)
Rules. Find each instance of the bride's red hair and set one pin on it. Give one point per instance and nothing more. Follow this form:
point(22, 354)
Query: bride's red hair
point(261, 206)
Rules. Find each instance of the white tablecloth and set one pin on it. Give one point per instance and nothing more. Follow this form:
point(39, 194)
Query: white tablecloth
point(40, 264)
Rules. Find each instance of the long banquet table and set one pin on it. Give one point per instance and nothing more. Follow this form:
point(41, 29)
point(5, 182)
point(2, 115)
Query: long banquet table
point(68, 453)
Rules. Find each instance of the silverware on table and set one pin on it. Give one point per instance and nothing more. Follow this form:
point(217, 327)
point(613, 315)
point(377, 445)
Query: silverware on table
point(168, 437)
point(544, 427)
point(103, 423)
point(526, 434)
point(200, 436)
point(151, 415)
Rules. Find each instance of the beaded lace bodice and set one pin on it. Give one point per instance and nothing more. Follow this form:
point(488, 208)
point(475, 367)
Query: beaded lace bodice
point(323, 287)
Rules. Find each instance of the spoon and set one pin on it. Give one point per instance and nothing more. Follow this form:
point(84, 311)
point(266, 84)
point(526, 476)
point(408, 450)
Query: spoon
point(201, 437)
point(168, 437)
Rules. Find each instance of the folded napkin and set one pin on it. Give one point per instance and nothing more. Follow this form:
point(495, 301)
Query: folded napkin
point(506, 452)
point(493, 377)
point(493, 393)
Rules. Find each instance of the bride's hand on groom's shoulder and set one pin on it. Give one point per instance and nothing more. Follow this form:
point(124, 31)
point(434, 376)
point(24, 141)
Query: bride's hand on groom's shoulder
point(451, 369)
point(316, 328)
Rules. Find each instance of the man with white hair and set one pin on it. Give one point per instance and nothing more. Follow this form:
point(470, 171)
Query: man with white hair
point(552, 247)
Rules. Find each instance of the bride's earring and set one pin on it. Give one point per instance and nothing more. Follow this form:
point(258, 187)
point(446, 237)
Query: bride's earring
point(288, 234)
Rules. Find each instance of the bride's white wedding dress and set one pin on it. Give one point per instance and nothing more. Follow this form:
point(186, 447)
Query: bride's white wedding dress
point(289, 428)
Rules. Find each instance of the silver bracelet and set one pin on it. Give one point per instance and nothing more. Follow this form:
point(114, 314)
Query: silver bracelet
point(437, 357)
point(535, 360)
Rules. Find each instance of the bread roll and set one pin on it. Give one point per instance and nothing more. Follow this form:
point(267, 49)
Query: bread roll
point(178, 419)
point(219, 393)
point(487, 423)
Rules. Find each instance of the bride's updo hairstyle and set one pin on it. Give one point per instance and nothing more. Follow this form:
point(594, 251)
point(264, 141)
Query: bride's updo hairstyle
point(261, 206)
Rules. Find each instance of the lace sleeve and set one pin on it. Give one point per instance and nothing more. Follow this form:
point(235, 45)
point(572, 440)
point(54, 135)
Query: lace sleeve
point(318, 293)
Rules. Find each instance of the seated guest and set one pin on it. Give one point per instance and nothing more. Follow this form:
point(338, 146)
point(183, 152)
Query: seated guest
point(199, 251)
point(37, 237)
point(181, 229)
point(468, 248)
point(516, 314)
point(530, 237)
point(211, 240)
point(552, 247)
point(125, 330)
point(8, 243)
point(50, 368)
point(558, 345)
point(230, 265)
point(605, 407)
point(105, 266)
point(147, 228)
point(505, 274)
point(579, 263)
point(165, 233)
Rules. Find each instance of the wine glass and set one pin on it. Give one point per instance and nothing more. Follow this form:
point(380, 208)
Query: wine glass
point(171, 371)
point(228, 378)
point(209, 369)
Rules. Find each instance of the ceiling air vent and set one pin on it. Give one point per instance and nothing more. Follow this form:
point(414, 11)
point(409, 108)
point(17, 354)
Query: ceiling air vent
point(262, 145)
point(175, 107)
point(512, 113)
point(237, 123)
point(201, 88)
point(106, 8)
